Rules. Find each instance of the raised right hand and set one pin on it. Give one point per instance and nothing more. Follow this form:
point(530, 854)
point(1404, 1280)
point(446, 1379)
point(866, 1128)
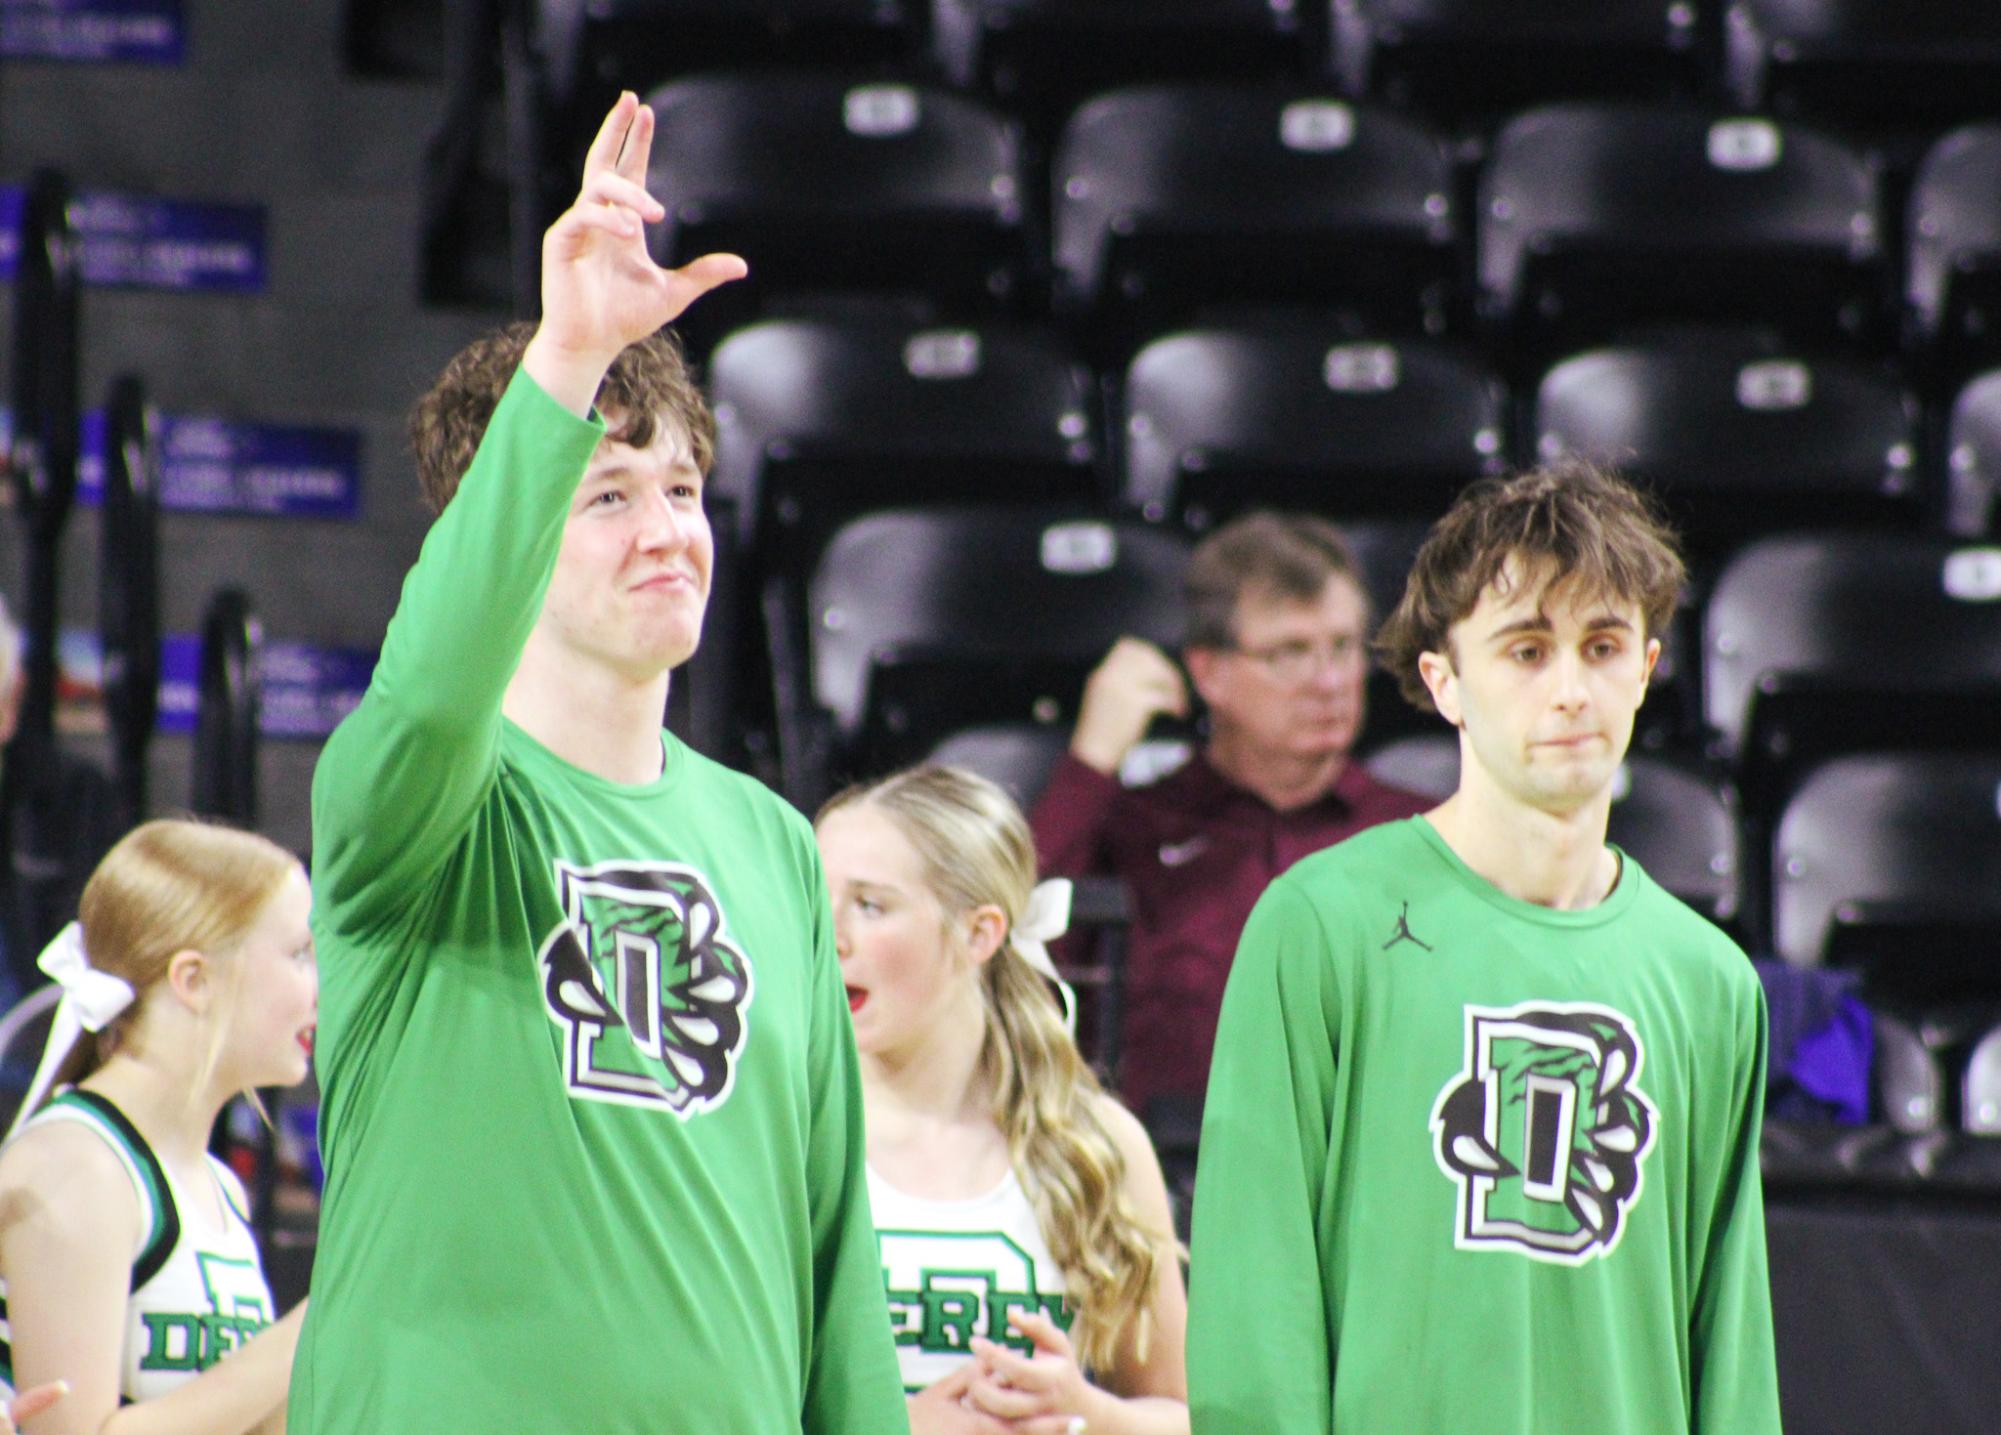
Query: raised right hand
point(1135, 683)
point(601, 289)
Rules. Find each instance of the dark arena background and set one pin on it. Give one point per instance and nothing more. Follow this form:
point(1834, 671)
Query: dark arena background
point(1041, 291)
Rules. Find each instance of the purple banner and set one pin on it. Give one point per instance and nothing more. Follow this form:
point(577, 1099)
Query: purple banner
point(94, 32)
point(13, 208)
point(307, 689)
point(139, 242)
point(212, 465)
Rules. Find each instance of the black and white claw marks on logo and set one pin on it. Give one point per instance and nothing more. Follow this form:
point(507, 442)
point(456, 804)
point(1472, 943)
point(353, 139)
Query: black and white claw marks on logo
point(1545, 1129)
point(651, 992)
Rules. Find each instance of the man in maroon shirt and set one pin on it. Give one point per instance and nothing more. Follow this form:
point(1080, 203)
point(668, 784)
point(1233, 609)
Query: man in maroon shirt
point(1277, 647)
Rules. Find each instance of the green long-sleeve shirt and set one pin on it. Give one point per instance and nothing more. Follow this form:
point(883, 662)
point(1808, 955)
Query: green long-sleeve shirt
point(592, 1116)
point(1471, 1166)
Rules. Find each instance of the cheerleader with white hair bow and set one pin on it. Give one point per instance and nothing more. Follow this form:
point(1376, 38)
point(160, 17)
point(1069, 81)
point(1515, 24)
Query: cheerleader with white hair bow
point(128, 1271)
point(1028, 1251)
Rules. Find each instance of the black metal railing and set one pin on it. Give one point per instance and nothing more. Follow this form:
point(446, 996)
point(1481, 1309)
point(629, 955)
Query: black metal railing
point(228, 704)
point(128, 589)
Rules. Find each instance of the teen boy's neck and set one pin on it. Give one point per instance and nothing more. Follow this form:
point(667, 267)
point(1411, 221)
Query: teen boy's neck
point(1559, 861)
point(605, 725)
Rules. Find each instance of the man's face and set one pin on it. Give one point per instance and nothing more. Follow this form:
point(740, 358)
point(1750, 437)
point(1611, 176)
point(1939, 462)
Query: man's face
point(632, 576)
point(1544, 681)
point(1293, 684)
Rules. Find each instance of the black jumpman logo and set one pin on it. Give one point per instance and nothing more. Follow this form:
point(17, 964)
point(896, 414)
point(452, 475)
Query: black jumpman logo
point(1403, 933)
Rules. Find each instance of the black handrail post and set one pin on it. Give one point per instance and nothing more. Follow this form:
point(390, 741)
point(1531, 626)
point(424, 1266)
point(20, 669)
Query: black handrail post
point(47, 419)
point(129, 588)
point(226, 717)
point(40, 472)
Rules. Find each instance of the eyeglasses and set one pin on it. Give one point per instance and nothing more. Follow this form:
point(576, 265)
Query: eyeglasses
point(1299, 662)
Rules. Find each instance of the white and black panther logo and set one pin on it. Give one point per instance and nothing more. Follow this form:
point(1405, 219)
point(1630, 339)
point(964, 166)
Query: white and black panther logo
point(1545, 1129)
point(652, 993)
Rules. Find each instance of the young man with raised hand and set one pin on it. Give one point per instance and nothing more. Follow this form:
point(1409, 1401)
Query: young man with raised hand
point(1481, 1144)
point(592, 1114)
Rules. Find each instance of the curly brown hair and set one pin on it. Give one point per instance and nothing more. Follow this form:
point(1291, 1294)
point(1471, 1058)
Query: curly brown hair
point(648, 382)
point(1573, 519)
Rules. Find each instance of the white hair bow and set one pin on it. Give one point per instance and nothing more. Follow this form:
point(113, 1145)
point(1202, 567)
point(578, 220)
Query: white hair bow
point(1046, 918)
point(90, 1000)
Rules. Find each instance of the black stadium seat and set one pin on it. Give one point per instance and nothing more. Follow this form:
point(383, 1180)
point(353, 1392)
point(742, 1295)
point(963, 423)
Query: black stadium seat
point(831, 184)
point(819, 419)
point(1980, 1091)
point(596, 47)
point(1018, 756)
point(1973, 459)
point(1170, 199)
point(1738, 437)
point(1384, 549)
point(1893, 861)
point(1041, 57)
point(1840, 641)
point(1953, 273)
point(1915, 63)
point(1426, 763)
point(1816, 644)
point(1682, 828)
point(1225, 418)
point(1594, 218)
point(1464, 58)
point(922, 622)
point(1909, 1086)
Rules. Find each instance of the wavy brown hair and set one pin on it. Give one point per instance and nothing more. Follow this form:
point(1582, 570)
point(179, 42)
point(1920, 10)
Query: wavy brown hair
point(976, 850)
point(649, 381)
point(1567, 522)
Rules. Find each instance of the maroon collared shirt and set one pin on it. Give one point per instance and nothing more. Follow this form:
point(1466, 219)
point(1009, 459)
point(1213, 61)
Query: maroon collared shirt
point(1196, 851)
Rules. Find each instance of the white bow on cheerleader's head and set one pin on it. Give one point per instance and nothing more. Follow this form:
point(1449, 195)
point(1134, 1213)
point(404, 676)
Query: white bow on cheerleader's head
point(90, 1000)
point(1046, 918)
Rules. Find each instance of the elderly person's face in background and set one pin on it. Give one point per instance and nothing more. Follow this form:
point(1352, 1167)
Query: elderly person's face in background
point(1292, 684)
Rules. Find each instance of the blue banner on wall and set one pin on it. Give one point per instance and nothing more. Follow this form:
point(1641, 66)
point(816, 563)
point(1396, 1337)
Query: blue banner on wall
point(140, 242)
point(307, 689)
point(212, 465)
point(94, 31)
point(13, 207)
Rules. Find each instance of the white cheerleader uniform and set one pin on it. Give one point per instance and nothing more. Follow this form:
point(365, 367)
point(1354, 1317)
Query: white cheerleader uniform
point(197, 1292)
point(953, 1269)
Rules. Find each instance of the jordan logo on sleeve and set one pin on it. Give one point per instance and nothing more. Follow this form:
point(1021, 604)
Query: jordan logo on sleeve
point(650, 990)
point(1545, 1129)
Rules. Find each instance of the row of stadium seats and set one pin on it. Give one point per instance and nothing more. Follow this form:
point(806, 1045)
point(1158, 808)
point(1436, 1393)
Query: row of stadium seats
point(821, 418)
point(1856, 60)
point(1581, 221)
point(917, 623)
point(1940, 1069)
